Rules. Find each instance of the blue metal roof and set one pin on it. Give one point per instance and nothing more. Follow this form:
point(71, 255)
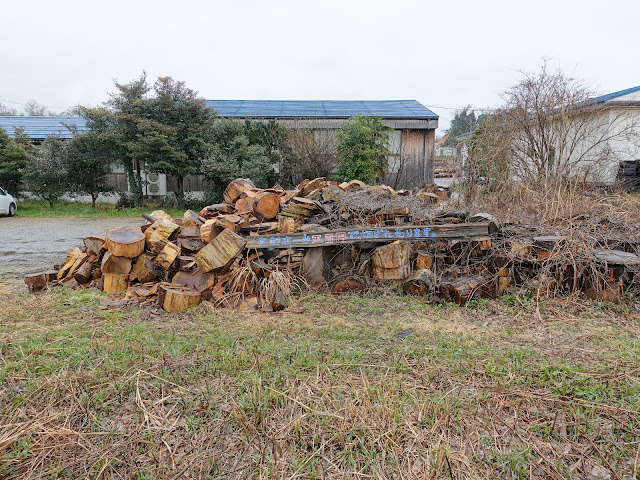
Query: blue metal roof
point(611, 96)
point(40, 127)
point(408, 109)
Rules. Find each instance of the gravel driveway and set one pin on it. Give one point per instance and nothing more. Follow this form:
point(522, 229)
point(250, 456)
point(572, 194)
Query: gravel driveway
point(30, 245)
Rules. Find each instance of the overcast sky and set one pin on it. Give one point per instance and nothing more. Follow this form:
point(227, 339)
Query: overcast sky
point(444, 54)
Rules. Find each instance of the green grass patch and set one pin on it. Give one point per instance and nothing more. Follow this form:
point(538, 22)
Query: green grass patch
point(329, 393)
point(33, 208)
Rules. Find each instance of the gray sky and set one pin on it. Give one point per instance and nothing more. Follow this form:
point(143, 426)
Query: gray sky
point(445, 54)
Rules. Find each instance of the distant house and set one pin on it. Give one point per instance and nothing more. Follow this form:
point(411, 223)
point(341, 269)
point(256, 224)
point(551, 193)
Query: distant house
point(411, 143)
point(619, 115)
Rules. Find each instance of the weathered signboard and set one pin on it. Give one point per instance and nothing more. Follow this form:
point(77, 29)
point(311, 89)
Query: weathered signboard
point(405, 233)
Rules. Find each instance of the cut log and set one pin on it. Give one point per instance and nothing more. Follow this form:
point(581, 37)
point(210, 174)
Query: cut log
point(114, 264)
point(158, 233)
point(35, 282)
point(315, 266)
point(161, 215)
point(115, 283)
point(167, 255)
point(394, 255)
point(315, 184)
point(94, 245)
point(420, 283)
point(267, 206)
point(144, 269)
point(190, 219)
point(176, 298)
point(425, 260)
point(224, 248)
point(125, 241)
point(83, 273)
point(391, 262)
point(190, 244)
point(245, 204)
point(209, 230)
point(195, 280)
point(186, 262)
point(75, 258)
point(287, 224)
point(237, 188)
point(347, 286)
point(461, 290)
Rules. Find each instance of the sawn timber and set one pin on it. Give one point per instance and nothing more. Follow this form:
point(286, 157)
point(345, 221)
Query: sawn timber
point(404, 233)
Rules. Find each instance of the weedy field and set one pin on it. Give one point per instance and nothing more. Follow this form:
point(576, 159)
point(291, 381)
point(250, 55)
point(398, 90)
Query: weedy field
point(511, 388)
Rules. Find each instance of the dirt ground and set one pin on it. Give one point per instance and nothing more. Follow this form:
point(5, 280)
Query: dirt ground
point(28, 245)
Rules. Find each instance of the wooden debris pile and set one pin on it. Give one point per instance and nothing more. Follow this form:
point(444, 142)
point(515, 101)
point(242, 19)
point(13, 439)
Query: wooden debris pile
point(260, 246)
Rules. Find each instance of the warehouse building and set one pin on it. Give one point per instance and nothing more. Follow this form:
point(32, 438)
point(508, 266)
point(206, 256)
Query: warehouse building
point(411, 141)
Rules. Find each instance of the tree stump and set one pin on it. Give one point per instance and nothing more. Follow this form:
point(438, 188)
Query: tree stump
point(176, 298)
point(125, 241)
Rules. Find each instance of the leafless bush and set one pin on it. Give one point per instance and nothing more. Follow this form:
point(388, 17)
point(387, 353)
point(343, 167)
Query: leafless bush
point(550, 135)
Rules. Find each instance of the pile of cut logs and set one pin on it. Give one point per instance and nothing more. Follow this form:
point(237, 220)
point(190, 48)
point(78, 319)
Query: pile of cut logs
point(259, 246)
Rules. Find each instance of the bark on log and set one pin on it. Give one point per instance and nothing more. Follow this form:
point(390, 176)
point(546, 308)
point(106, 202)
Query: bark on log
point(347, 286)
point(158, 233)
point(115, 283)
point(209, 230)
point(220, 251)
point(245, 205)
point(125, 241)
point(237, 188)
point(35, 282)
point(420, 283)
point(144, 269)
point(83, 273)
point(195, 280)
point(167, 255)
point(425, 260)
point(190, 219)
point(114, 264)
point(176, 298)
point(75, 258)
point(94, 245)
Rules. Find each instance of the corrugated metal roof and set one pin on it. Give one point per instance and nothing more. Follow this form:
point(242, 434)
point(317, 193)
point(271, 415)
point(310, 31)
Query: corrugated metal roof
point(611, 96)
point(40, 127)
point(321, 108)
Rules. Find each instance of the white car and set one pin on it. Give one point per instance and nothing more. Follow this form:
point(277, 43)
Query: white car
point(8, 204)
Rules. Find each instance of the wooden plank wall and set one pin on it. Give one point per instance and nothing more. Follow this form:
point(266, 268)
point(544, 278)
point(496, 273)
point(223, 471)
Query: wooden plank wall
point(118, 181)
point(417, 151)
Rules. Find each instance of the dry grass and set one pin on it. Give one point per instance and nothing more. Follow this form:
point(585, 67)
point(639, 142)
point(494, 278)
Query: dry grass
point(500, 389)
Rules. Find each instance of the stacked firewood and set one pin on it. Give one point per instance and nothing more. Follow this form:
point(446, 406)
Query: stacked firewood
point(259, 246)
